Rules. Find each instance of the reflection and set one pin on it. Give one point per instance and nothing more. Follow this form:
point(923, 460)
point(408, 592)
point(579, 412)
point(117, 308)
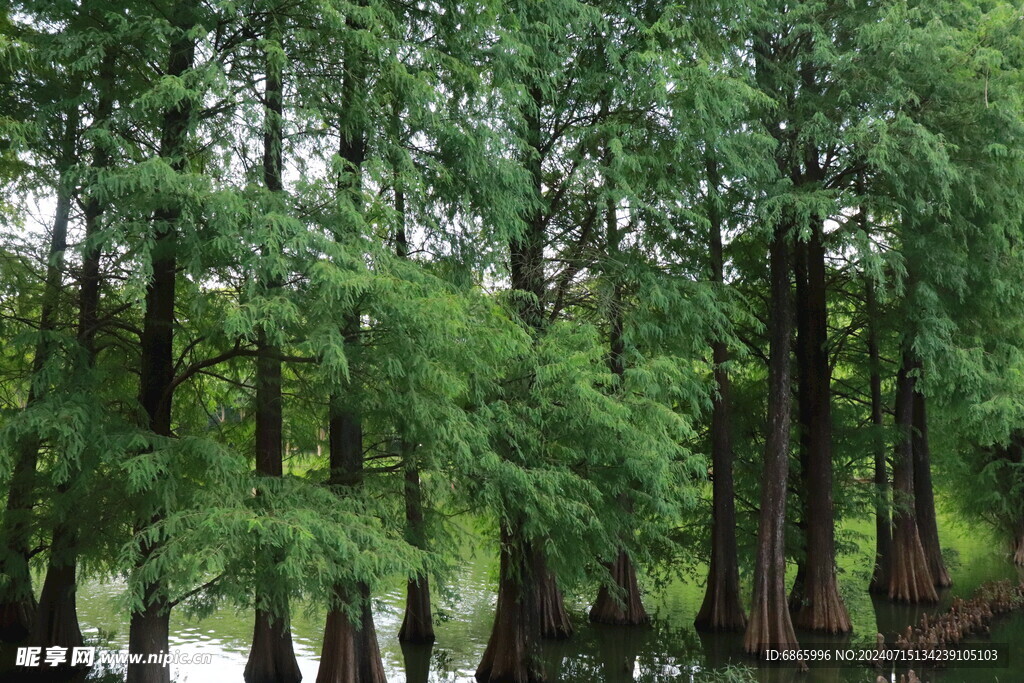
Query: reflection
point(722, 648)
point(417, 661)
point(893, 618)
point(618, 647)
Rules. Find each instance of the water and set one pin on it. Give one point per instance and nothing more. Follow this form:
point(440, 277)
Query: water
point(669, 650)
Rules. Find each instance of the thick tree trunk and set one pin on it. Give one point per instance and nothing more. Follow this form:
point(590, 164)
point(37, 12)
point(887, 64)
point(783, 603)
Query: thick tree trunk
point(554, 620)
point(148, 635)
point(924, 496)
point(770, 624)
point(620, 605)
point(148, 629)
point(272, 657)
point(722, 609)
point(513, 651)
point(802, 484)
point(883, 522)
point(821, 608)
point(350, 652)
point(56, 623)
point(909, 577)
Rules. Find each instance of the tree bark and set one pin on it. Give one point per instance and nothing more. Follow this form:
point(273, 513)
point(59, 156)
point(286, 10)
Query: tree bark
point(722, 609)
point(621, 605)
point(272, 657)
point(554, 620)
point(924, 496)
point(770, 624)
point(350, 652)
point(883, 521)
point(1018, 545)
point(909, 577)
point(821, 608)
point(56, 623)
point(513, 650)
point(148, 630)
point(418, 624)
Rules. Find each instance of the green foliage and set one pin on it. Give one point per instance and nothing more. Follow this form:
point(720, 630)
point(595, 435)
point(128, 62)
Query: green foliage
point(610, 137)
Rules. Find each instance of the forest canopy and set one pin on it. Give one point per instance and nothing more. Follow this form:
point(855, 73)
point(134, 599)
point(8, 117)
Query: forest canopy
point(290, 289)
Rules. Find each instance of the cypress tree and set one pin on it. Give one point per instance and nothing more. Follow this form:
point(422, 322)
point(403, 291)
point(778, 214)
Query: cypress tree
point(272, 657)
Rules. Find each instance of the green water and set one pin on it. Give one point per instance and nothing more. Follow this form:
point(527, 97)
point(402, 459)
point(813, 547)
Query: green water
point(670, 650)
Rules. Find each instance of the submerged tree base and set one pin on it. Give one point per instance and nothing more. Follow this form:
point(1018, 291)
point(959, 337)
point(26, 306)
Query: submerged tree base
point(272, 657)
point(624, 607)
point(821, 608)
point(417, 627)
point(512, 654)
point(909, 577)
point(350, 652)
point(554, 620)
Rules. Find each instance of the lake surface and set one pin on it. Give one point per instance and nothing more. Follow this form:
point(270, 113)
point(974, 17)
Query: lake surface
point(669, 650)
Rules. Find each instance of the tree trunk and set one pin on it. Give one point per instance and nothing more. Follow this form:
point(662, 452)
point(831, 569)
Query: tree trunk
point(350, 653)
point(272, 657)
point(924, 496)
point(1018, 545)
point(821, 607)
point(17, 599)
point(909, 577)
point(554, 620)
point(418, 625)
point(722, 609)
point(883, 522)
point(148, 635)
point(802, 483)
point(621, 605)
point(56, 622)
point(770, 624)
point(57, 617)
point(513, 651)
point(148, 630)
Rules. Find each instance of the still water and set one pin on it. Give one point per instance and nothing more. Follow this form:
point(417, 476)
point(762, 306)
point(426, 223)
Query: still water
point(669, 650)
